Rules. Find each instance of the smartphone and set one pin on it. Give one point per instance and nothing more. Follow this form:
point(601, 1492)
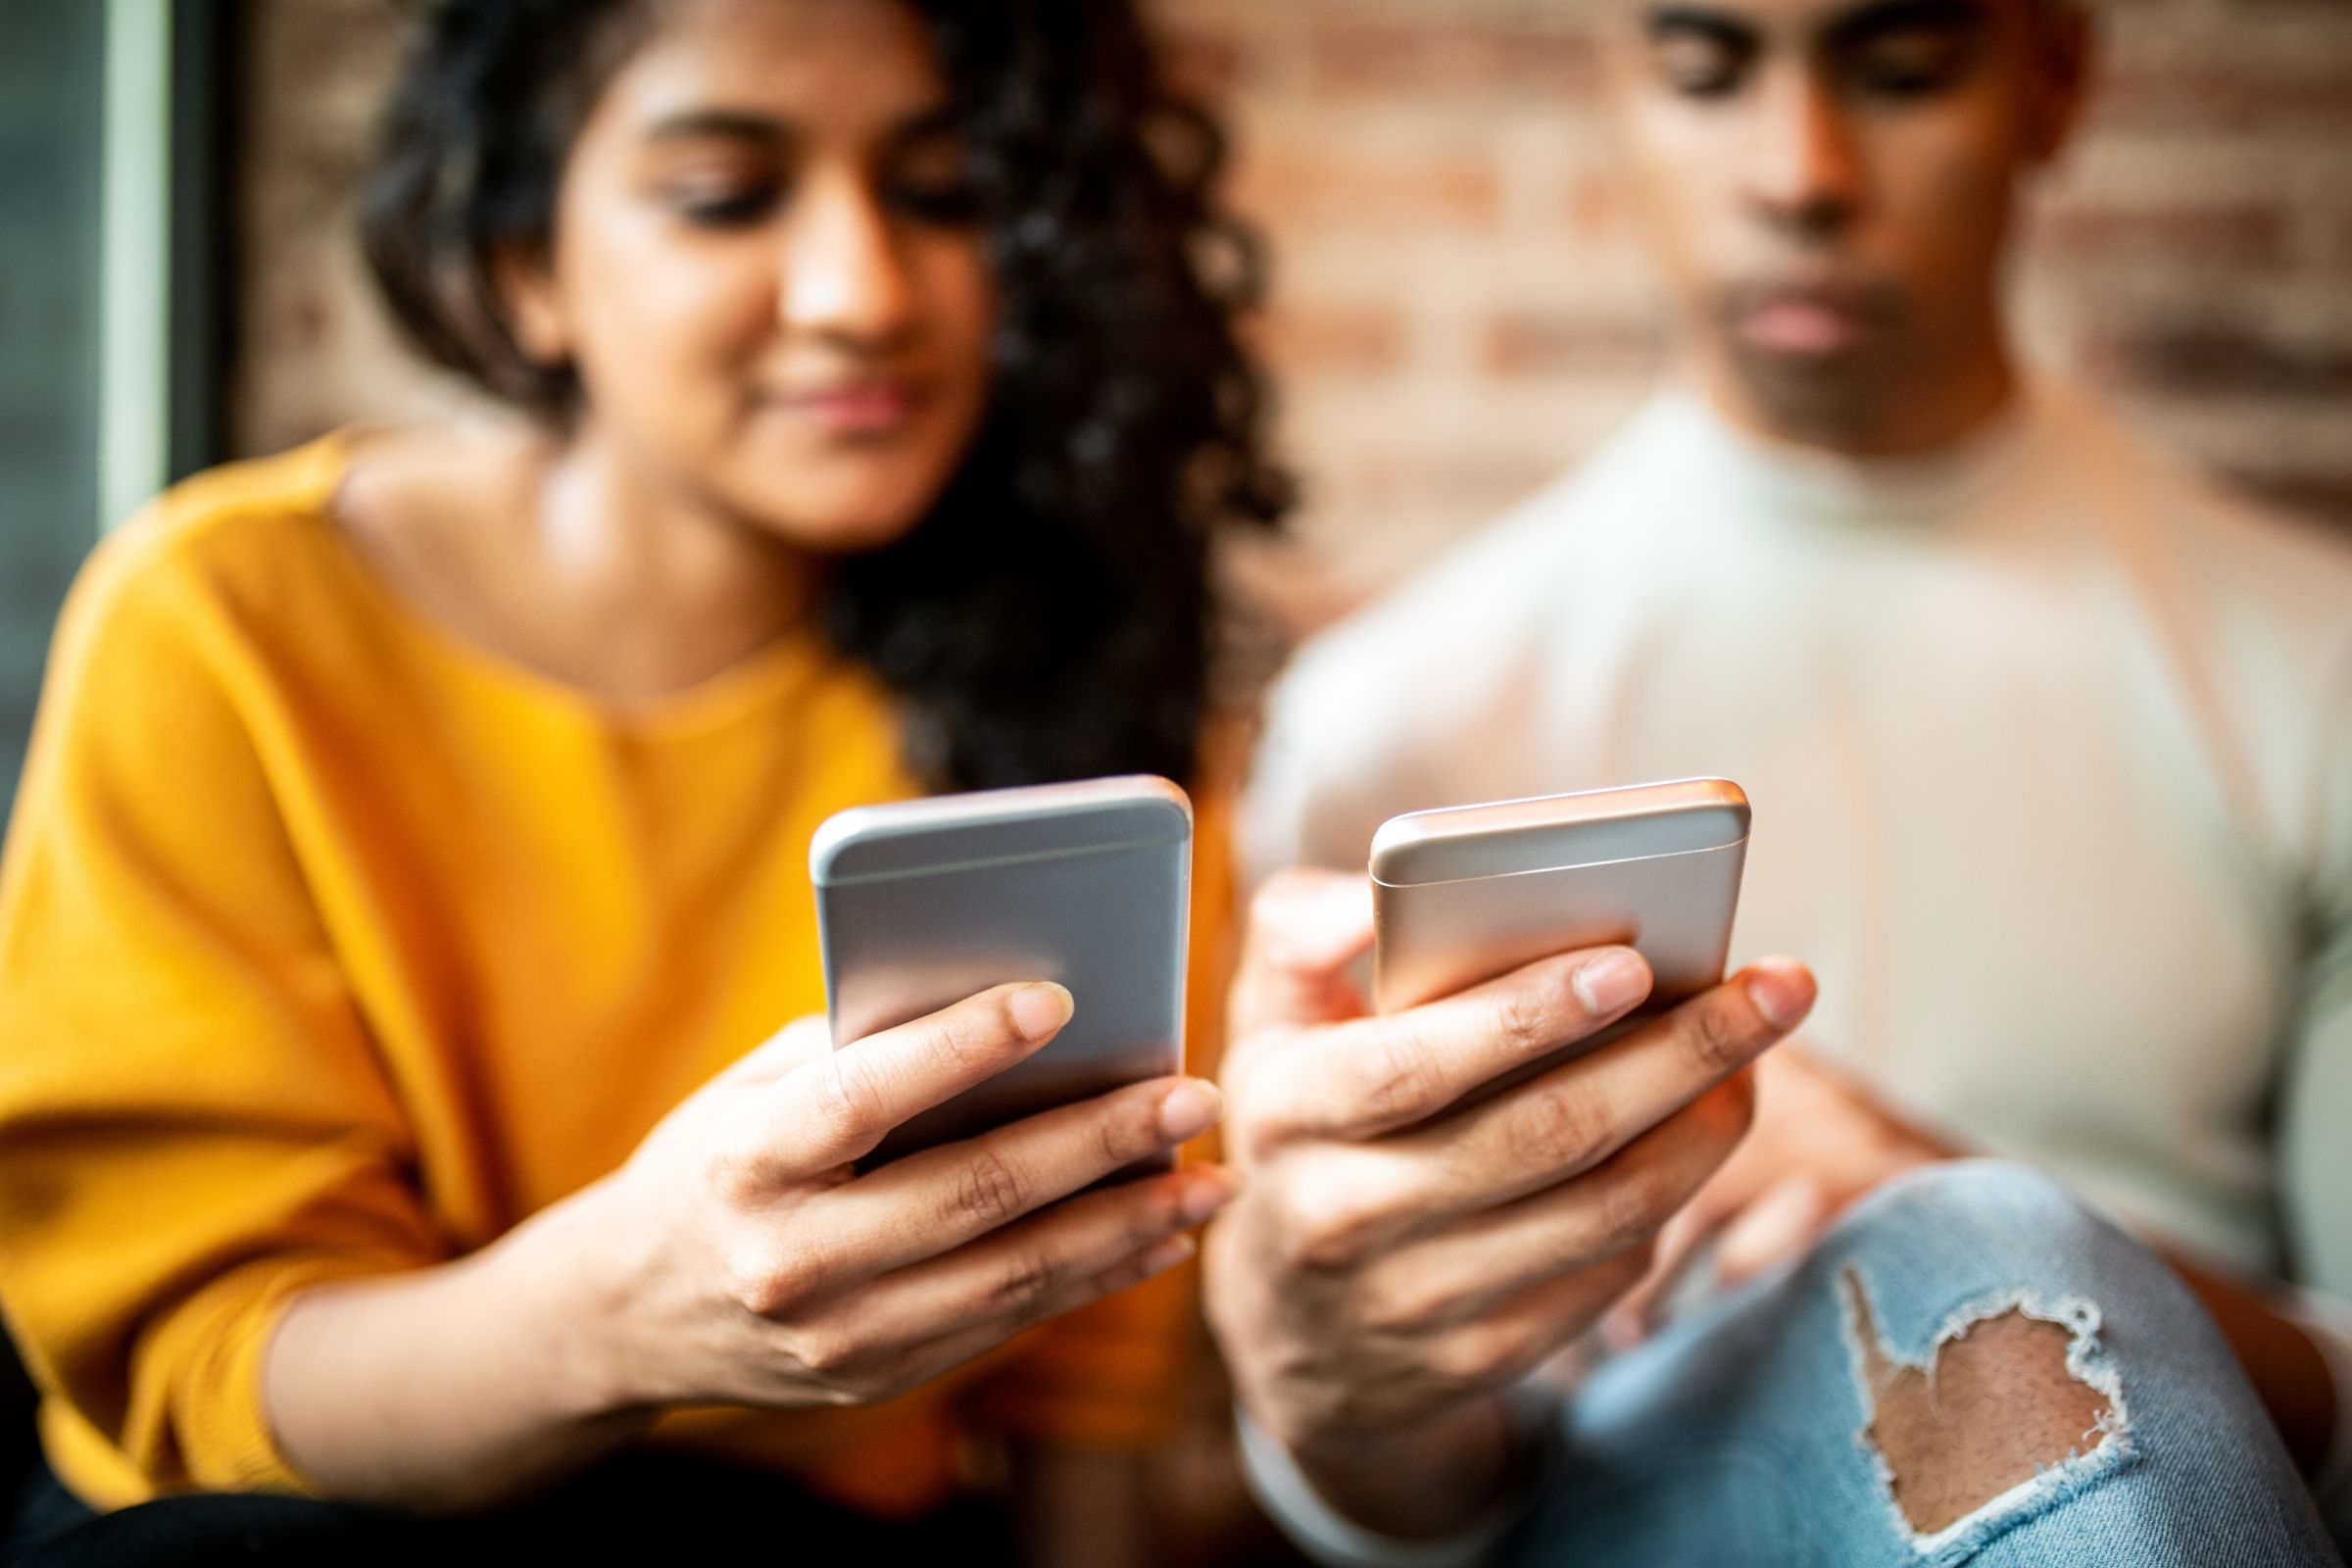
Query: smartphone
point(1471, 892)
point(921, 903)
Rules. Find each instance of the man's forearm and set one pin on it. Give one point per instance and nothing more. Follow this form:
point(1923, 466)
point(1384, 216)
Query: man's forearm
point(450, 1387)
point(1434, 1481)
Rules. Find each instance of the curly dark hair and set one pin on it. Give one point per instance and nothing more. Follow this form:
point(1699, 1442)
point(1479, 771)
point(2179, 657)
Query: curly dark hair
point(1051, 616)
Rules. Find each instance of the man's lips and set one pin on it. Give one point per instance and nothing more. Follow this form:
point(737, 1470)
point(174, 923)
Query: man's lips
point(1801, 321)
point(853, 408)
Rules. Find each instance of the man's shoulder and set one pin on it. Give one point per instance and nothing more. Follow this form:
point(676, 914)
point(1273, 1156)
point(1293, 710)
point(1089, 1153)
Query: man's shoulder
point(1494, 592)
point(2256, 569)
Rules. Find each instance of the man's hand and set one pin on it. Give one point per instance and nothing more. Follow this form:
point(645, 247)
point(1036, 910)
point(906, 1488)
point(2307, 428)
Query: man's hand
point(1819, 1144)
point(1397, 1259)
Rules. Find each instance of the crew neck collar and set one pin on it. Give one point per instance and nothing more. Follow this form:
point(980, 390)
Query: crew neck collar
point(1805, 485)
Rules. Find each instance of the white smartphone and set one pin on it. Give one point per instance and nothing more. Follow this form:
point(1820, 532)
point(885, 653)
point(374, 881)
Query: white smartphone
point(1467, 893)
point(921, 903)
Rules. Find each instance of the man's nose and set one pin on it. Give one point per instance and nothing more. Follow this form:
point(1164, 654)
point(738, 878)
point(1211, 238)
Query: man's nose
point(844, 275)
point(1803, 169)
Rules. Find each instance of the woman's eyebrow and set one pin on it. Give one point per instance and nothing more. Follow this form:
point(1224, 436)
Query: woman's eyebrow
point(1661, 22)
point(926, 124)
point(735, 125)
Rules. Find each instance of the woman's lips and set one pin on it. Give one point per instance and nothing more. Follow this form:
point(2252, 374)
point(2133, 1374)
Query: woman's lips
point(857, 408)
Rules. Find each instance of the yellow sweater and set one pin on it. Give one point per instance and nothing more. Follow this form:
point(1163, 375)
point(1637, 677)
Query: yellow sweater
point(330, 945)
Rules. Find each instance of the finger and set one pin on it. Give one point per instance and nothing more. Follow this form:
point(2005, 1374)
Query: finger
point(1017, 1277)
point(1579, 1114)
point(1463, 1271)
point(802, 1041)
point(1511, 1340)
point(1691, 1233)
point(1779, 1226)
point(1307, 927)
point(935, 1202)
point(1686, 1237)
point(945, 1354)
point(1362, 1079)
point(829, 1111)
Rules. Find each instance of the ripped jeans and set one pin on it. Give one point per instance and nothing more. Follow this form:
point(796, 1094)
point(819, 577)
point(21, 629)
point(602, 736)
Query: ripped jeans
point(1794, 1422)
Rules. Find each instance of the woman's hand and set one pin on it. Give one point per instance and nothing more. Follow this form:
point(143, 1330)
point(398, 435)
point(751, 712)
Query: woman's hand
point(753, 1266)
point(1820, 1144)
point(739, 1258)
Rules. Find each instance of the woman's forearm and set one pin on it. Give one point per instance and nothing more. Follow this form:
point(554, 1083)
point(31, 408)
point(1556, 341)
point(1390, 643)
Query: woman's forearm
point(455, 1386)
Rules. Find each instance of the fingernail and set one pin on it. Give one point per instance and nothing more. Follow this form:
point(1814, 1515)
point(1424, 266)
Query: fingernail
point(1783, 993)
point(1206, 1195)
point(1611, 982)
point(1040, 1010)
point(1622, 1331)
point(1189, 1110)
point(1168, 1254)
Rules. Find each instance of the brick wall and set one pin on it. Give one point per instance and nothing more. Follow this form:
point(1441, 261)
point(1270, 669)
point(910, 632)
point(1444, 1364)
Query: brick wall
point(1460, 310)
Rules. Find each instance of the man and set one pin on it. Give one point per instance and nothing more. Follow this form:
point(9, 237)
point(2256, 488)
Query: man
point(2050, 749)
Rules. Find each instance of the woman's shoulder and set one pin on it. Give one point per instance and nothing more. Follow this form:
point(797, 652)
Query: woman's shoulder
point(231, 535)
point(268, 546)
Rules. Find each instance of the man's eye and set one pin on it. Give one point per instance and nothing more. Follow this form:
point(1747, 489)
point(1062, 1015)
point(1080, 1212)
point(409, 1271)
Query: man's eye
point(1908, 66)
point(1702, 68)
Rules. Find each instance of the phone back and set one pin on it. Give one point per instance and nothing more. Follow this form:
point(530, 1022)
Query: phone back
point(924, 903)
point(1466, 894)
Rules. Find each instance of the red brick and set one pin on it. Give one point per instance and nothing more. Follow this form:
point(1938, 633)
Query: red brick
point(2200, 90)
point(1200, 63)
point(2325, 495)
point(1363, 340)
point(2334, 231)
point(1536, 54)
point(1339, 190)
point(1596, 209)
point(1396, 479)
point(2236, 235)
point(1546, 344)
point(2214, 358)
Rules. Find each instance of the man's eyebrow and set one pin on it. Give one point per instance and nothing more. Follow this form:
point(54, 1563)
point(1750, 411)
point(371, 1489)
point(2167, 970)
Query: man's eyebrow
point(1864, 24)
point(1660, 21)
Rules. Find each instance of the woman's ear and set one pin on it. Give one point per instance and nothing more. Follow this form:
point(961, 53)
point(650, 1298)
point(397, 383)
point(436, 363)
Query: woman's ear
point(529, 304)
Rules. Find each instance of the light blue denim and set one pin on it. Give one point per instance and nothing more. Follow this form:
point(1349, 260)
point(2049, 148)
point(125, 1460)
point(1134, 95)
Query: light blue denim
point(1737, 1435)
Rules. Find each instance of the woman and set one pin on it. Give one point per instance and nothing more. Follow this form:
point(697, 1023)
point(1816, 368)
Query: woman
point(420, 817)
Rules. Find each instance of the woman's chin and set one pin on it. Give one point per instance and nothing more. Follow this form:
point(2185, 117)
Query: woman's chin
point(850, 532)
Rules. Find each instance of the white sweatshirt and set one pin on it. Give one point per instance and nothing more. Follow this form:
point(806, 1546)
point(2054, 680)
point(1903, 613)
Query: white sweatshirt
point(2050, 751)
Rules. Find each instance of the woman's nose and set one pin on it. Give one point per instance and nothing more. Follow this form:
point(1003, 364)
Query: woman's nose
point(843, 274)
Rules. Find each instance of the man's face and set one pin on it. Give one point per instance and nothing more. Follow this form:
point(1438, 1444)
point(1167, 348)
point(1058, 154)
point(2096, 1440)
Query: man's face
point(1828, 186)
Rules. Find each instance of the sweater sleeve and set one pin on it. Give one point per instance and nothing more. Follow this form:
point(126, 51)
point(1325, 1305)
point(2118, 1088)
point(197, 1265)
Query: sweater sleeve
point(2315, 1151)
point(193, 1123)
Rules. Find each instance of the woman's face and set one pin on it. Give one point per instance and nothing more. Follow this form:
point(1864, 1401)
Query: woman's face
point(767, 272)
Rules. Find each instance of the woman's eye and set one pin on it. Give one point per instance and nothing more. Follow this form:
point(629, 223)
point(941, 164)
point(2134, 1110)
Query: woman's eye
point(950, 203)
point(723, 206)
point(1701, 67)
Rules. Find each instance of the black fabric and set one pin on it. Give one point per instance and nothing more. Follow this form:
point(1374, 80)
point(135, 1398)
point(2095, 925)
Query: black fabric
point(653, 1509)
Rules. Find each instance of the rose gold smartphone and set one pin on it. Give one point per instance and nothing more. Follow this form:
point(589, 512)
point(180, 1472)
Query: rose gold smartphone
point(1471, 892)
